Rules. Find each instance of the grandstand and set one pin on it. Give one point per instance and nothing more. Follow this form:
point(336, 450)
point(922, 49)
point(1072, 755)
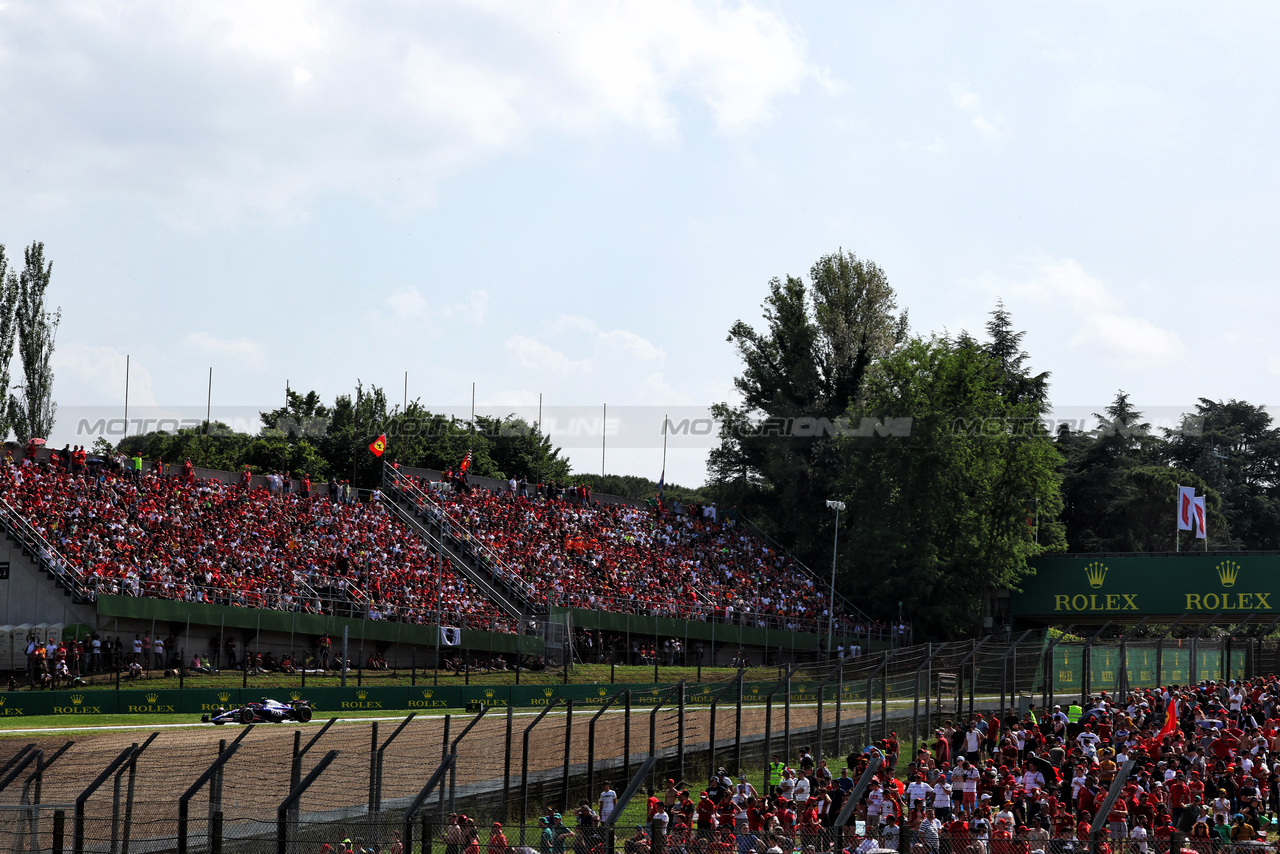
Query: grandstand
point(416, 553)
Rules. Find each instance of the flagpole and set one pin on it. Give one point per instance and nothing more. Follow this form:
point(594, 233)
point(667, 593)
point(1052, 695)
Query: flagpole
point(604, 431)
point(473, 416)
point(1177, 511)
point(665, 419)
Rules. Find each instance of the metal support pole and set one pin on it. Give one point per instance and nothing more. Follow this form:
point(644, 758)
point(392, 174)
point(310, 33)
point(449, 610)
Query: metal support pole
point(506, 767)
point(626, 734)
point(373, 765)
point(930, 652)
point(524, 765)
point(568, 744)
point(591, 742)
point(294, 796)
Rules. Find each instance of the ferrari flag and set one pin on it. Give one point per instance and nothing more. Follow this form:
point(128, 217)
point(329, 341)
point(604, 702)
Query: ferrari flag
point(466, 464)
point(379, 445)
point(1170, 720)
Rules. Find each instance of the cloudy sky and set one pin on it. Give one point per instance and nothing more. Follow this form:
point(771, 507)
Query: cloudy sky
point(578, 198)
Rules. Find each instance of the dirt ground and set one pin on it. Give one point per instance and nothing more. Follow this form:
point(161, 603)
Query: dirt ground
point(256, 779)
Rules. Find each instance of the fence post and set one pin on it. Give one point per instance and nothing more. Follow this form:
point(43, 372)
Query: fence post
point(626, 736)
point(453, 751)
point(786, 715)
point(83, 797)
point(184, 802)
point(884, 695)
point(444, 753)
point(382, 749)
point(591, 743)
point(568, 743)
point(524, 768)
point(679, 736)
point(294, 796)
point(506, 768)
point(737, 727)
point(419, 801)
point(839, 702)
point(128, 803)
point(373, 765)
point(59, 831)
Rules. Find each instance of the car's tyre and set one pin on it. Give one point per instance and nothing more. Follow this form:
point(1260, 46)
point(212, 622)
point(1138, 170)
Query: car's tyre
point(246, 715)
point(304, 714)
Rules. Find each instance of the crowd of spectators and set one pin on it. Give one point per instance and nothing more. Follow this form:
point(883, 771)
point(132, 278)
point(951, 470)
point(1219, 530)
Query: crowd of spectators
point(1204, 770)
point(197, 540)
point(563, 548)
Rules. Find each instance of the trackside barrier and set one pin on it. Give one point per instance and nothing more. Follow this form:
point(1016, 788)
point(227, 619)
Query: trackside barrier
point(524, 769)
point(375, 803)
point(421, 798)
point(83, 798)
point(453, 751)
point(184, 802)
point(119, 842)
point(283, 835)
point(591, 742)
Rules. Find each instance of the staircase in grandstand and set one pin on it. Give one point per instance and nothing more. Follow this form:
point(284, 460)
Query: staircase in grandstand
point(439, 528)
point(74, 581)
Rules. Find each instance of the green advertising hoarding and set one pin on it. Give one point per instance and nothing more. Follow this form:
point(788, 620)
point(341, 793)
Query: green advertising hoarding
point(1140, 664)
point(1193, 584)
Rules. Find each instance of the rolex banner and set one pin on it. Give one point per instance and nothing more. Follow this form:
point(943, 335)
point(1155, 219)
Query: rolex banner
point(450, 636)
point(1191, 583)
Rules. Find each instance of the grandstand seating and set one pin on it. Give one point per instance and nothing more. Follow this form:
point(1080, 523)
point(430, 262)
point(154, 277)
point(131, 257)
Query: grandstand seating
point(206, 541)
point(621, 558)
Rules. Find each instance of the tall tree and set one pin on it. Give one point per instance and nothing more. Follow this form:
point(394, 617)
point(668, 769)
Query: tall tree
point(8, 308)
point(1235, 448)
point(1119, 489)
point(822, 340)
point(948, 513)
point(34, 411)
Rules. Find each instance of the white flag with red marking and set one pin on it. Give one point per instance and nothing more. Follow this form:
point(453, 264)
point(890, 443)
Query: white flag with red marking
point(1197, 518)
point(1186, 505)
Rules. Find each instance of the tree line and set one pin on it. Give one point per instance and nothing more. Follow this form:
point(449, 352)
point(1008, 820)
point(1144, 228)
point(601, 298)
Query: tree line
point(939, 451)
point(307, 437)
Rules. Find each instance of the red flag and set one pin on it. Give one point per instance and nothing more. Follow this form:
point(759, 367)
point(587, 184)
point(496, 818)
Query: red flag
point(1170, 720)
point(466, 464)
point(379, 445)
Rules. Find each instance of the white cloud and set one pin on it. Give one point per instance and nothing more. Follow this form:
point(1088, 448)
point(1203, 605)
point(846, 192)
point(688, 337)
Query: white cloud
point(1102, 326)
point(1132, 341)
point(535, 355)
point(582, 350)
point(408, 310)
point(250, 354)
point(937, 148)
point(233, 108)
point(989, 124)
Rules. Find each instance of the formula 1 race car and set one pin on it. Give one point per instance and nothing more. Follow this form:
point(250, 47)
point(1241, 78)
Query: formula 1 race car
point(263, 711)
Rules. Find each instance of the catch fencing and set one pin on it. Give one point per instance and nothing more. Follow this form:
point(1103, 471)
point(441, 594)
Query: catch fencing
point(277, 787)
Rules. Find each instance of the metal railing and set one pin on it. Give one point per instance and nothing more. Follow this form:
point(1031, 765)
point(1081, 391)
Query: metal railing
point(45, 554)
point(498, 569)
